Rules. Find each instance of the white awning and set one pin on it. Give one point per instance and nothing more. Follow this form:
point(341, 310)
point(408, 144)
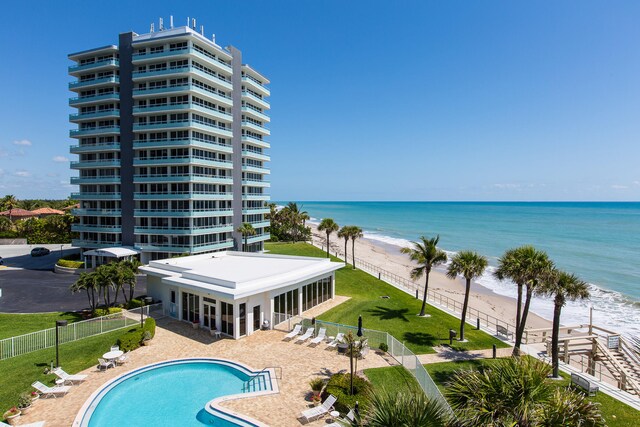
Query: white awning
point(112, 252)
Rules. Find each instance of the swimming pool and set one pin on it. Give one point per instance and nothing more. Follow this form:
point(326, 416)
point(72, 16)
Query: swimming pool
point(181, 392)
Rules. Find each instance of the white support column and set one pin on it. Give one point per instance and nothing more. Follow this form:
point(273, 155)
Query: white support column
point(299, 313)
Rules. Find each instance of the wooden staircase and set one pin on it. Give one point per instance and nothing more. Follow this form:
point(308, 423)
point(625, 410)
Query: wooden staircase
point(622, 362)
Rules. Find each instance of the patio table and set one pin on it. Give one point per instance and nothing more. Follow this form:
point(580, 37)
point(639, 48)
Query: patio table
point(112, 356)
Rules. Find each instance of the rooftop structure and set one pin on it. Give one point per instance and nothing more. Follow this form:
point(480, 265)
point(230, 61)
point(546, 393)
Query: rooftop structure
point(171, 131)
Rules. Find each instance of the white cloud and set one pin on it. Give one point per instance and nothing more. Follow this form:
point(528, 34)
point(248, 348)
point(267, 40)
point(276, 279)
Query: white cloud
point(60, 159)
point(23, 174)
point(52, 174)
point(619, 187)
point(507, 186)
point(636, 183)
point(24, 142)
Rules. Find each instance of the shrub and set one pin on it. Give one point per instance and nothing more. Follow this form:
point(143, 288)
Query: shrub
point(72, 257)
point(383, 347)
point(70, 264)
point(316, 384)
point(24, 401)
point(105, 311)
point(339, 385)
point(134, 337)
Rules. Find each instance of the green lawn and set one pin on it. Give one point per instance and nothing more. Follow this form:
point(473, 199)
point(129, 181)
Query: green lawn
point(616, 413)
point(392, 378)
point(396, 315)
point(19, 372)
point(12, 325)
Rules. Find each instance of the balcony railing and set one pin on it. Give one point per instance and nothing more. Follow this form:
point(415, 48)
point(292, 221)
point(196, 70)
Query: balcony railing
point(94, 115)
point(94, 131)
point(92, 82)
point(115, 96)
point(198, 142)
point(87, 66)
point(106, 146)
point(96, 163)
point(261, 101)
point(92, 196)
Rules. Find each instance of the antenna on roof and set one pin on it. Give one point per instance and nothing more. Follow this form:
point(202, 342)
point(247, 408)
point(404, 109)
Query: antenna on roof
point(188, 21)
point(202, 30)
point(213, 37)
point(193, 23)
point(151, 29)
point(171, 21)
point(161, 25)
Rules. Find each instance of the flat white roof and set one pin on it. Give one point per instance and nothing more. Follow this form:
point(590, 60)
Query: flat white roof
point(239, 274)
point(112, 252)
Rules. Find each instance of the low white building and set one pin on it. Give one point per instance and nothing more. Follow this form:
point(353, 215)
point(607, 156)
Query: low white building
point(235, 292)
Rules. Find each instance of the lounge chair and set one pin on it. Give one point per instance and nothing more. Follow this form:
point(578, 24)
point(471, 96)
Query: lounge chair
point(321, 334)
point(346, 421)
point(308, 333)
point(363, 352)
point(37, 424)
point(103, 365)
point(123, 359)
point(115, 348)
point(296, 330)
point(326, 407)
point(68, 378)
point(47, 391)
point(337, 340)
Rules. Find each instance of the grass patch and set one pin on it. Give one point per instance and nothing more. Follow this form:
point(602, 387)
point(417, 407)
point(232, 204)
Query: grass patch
point(392, 378)
point(19, 372)
point(396, 315)
point(616, 413)
point(12, 325)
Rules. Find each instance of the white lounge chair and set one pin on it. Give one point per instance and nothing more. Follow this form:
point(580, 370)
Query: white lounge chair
point(37, 424)
point(295, 331)
point(326, 407)
point(68, 378)
point(47, 391)
point(123, 359)
point(105, 364)
point(363, 352)
point(337, 340)
point(307, 334)
point(321, 334)
point(341, 422)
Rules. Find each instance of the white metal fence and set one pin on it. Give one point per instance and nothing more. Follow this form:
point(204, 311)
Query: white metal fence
point(46, 338)
point(409, 286)
point(396, 349)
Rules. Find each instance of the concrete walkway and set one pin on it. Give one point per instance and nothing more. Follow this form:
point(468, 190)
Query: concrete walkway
point(446, 354)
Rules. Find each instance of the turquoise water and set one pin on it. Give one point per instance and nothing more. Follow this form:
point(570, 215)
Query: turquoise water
point(169, 395)
point(600, 242)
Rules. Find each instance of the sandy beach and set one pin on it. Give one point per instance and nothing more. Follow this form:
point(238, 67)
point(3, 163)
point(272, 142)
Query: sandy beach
point(388, 257)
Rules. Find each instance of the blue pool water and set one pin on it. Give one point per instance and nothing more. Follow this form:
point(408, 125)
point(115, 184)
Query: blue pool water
point(168, 394)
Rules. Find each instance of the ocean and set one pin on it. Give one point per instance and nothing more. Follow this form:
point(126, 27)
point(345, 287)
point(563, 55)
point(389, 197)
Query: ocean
point(598, 241)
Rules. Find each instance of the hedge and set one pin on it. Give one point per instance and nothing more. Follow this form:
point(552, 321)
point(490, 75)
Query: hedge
point(134, 338)
point(70, 264)
point(103, 311)
point(339, 385)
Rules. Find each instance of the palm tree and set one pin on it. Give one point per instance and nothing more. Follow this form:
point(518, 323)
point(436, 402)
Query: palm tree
point(86, 282)
point(104, 283)
point(562, 287)
point(426, 255)
point(526, 267)
point(355, 232)
point(295, 216)
point(410, 408)
point(246, 230)
point(328, 225)
point(516, 392)
point(9, 202)
point(470, 265)
point(132, 265)
point(345, 234)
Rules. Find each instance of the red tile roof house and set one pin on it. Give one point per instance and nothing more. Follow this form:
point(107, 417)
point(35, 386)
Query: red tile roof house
point(17, 214)
point(42, 212)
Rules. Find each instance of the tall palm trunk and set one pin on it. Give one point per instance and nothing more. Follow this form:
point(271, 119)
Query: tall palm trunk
point(523, 321)
point(89, 297)
point(464, 309)
point(345, 251)
point(131, 288)
point(426, 290)
point(328, 243)
point(516, 348)
point(246, 242)
point(93, 299)
point(115, 292)
point(353, 252)
point(124, 295)
point(555, 336)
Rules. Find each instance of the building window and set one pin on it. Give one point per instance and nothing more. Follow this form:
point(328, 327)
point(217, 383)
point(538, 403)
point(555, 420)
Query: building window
point(227, 318)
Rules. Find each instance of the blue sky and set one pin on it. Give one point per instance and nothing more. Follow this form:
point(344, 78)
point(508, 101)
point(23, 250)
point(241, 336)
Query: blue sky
point(396, 100)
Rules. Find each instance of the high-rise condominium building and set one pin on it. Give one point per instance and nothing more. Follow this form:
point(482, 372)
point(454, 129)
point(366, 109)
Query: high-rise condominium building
point(171, 145)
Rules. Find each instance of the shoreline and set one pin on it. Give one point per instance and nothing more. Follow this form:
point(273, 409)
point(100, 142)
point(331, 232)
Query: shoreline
point(388, 257)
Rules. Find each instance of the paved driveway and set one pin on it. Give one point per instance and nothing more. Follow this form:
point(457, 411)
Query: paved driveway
point(19, 256)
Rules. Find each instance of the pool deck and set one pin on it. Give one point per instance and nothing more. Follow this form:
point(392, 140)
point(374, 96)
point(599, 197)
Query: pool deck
point(174, 340)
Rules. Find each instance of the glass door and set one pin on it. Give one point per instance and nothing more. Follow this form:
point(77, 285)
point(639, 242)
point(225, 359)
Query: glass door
point(209, 313)
point(243, 319)
point(256, 318)
point(190, 307)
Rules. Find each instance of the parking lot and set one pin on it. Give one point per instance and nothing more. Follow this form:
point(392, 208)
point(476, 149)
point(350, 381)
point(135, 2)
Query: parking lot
point(29, 285)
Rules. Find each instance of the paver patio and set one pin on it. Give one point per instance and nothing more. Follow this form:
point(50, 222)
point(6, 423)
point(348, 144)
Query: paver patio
point(174, 339)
